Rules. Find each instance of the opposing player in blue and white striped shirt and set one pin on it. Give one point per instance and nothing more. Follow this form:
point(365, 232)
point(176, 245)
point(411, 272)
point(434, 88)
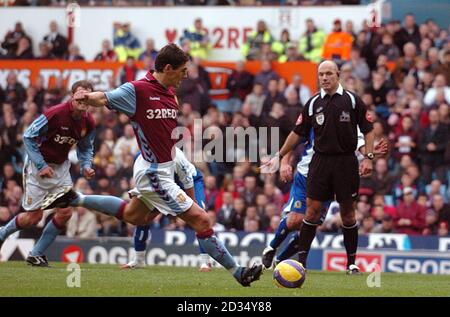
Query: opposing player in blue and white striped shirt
point(190, 179)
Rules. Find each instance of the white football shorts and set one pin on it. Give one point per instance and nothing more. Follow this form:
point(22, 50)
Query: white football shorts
point(36, 188)
point(156, 187)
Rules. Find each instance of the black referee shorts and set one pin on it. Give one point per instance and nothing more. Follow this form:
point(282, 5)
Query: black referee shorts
point(333, 176)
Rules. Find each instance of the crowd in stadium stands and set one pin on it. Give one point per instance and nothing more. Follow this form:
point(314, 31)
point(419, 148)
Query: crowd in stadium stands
point(400, 70)
point(177, 2)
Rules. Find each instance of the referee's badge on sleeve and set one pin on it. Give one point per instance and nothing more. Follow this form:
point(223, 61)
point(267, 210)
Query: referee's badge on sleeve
point(320, 118)
point(299, 119)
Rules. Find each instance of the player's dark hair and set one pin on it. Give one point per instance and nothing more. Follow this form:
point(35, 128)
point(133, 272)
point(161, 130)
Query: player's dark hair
point(170, 54)
point(86, 84)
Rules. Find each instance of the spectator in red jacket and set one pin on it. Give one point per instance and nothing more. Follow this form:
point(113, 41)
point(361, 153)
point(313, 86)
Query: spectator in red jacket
point(128, 72)
point(107, 53)
point(410, 218)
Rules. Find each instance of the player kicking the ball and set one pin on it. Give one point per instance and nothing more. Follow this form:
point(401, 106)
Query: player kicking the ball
point(46, 175)
point(191, 180)
point(153, 109)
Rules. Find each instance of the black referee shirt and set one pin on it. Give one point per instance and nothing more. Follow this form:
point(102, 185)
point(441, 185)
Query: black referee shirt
point(334, 120)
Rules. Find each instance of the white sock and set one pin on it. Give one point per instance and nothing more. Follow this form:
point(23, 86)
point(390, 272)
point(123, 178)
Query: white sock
point(204, 258)
point(140, 257)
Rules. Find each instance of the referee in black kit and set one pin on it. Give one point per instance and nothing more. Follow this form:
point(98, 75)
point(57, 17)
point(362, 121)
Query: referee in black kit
point(333, 116)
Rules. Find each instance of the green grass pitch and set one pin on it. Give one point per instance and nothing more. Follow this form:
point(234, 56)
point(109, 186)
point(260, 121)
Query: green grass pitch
point(18, 279)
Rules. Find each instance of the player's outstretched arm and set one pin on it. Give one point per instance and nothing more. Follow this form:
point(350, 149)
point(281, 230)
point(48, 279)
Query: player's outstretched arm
point(121, 99)
point(95, 99)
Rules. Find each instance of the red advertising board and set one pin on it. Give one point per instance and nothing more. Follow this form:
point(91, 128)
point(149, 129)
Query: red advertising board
point(101, 73)
point(337, 261)
point(72, 254)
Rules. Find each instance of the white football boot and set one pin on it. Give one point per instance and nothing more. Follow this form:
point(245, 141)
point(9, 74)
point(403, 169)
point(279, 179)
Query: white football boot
point(138, 261)
point(353, 270)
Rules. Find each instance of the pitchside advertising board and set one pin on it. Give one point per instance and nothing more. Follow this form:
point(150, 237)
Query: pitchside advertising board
point(386, 252)
point(102, 74)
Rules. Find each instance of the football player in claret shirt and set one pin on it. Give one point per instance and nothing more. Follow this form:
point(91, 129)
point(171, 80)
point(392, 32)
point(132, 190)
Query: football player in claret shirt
point(152, 107)
point(46, 172)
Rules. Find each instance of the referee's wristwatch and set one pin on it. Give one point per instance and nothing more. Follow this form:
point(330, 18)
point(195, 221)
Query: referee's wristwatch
point(370, 156)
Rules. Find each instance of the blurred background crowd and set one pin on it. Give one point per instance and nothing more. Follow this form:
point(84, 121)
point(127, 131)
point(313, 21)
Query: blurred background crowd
point(177, 2)
point(400, 69)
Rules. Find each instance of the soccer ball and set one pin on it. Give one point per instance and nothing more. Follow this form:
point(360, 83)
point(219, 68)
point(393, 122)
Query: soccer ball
point(289, 274)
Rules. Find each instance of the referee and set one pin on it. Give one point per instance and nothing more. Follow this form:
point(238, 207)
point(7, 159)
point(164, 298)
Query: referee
point(332, 116)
